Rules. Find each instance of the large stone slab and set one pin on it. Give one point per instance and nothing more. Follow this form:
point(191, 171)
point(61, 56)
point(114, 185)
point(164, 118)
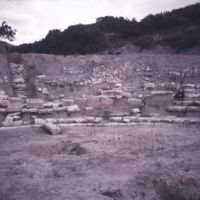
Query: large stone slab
point(135, 102)
point(93, 102)
point(15, 107)
point(68, 102)
point(176, 109)
point(4, 103)
point(73, 108)
point(34, 103)
point(51, 129)
point(106, 101)
point(115, 93)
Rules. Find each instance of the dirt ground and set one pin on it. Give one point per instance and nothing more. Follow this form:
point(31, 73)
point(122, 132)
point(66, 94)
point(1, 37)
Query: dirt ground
point(144, 161)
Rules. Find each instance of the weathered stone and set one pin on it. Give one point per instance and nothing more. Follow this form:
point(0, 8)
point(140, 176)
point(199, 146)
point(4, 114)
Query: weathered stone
point(34, 103)
point(89, 110)
point(61, 96)
point(193, 96)
point(161, 92)
point(52, 120)
point(4, 103)
point(140, 96)
point(93, 102)
point(39, 121)
point(98, 119)
point(52, 105)
point(106, 101)
point(12, 123)
point(189, 85)
point(15, 107)
point(190, 90)
point(45, 110)
point(41, 77)
point(68, 102)
point(197, 86)
point(3, 97)
point(80, 120)
point(176, 108)
point(29, 110)
point(116, 119)
point(187, 103)
point(193, 109)
point(134, 102)
point(136, 111)
point(73, 108)
point(3, 110)
point(126, 120)
point(90, 119)
point(148, 69)
point(39, 89)
point(51, 129)
point(16, 100)
point(149, 85)
point(115, 92)
point(2, 92)
point(45, 91)
point(59, 109)
point(19, 81)
point(81, 102)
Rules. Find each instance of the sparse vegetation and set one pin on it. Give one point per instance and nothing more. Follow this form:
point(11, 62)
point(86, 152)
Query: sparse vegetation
point(7, 32)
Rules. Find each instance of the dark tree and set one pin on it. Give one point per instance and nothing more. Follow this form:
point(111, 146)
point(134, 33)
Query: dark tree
point(6, 32)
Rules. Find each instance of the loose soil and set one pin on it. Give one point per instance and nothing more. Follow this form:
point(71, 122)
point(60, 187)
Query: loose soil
point(144, 161)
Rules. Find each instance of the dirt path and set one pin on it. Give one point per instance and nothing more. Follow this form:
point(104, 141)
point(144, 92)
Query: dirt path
point(100, 163)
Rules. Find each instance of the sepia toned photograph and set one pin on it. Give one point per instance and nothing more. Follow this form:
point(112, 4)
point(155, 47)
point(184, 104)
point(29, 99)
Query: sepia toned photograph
point(99, 100)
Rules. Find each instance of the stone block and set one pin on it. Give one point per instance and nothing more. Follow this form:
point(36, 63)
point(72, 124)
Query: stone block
point(29, 110)
point(149, 85)
point(126, 120)
point(115, 119)
point(134, 102)
point(3, 97)
point(12, 123)
point(81, 102)
point(52, 105)
point(51, 129)
point(45, 110)
point(176, 108)
point(19, 81)
point(115, 92)
point(161, 92)
point(89, 110)
point(34, 103)
point(135, 111)
point(16, 100)
point(4, 103)
point(2, 92)
point(15, 107)
point(106, 101)
point(73, 108)
point(39, 121)
point(68, 102)
point(93, 102)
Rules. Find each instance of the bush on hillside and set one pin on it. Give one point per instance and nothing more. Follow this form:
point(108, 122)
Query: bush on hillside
point(144, 42)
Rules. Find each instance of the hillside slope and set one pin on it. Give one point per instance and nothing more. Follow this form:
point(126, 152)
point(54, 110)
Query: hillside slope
point(178, 30)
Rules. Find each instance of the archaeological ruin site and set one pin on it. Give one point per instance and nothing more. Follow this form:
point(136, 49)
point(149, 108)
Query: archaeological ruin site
point(99, 127)
point(101, 110)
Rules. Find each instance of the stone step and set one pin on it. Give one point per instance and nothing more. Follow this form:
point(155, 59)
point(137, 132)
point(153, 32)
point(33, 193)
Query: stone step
point(181, 109)
point(192, 96)
point(187, 103)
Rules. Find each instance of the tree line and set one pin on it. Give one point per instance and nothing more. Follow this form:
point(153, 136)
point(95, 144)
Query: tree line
point(179, 29)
